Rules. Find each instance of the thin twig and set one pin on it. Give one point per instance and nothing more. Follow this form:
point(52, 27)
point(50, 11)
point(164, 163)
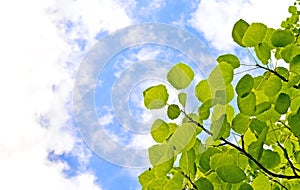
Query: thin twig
point(286, 155)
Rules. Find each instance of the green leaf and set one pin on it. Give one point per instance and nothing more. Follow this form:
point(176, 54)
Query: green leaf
point(283, 103)
point(187, 162)
point(245, 85)
point(202, 91)
point(175, 182)
point(221, 76)
point(204, 160)
point(267, 38)
point(245, 186)
point(263, 52)
point(146, 177)
point(224, 96)
point(293, 79)
point(240, 123)
point(231, 173)
point(157, 183)
point(182, 137)
point(172, 128)
point(292, 9)
point(173, 111)
point(254, 34)
point(162, 169)
point(180, 76)
point(155, 97)
point(230, 59)
point(159, 130)
point(246, 104)
point(261, 182)
point(204, 184)
point(238, 32)
point(270, 159)
point(182, 98)
point(220, 159)
point(289, 52)
point(272, 86)
point(219, 127)
point(294, 121)
point(159, 154)
point(282, 72)
point(204, 109)
point(295, 65)
point(257, 126)
point(262, 107)
point(282, 38)
point(256, 149)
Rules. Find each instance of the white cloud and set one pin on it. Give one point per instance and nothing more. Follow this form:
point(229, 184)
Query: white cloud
point(36, 83)
point(216, 18)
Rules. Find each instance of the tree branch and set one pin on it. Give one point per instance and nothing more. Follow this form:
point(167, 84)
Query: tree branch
point(288, 159)
point(242, 150)
point(270, 70)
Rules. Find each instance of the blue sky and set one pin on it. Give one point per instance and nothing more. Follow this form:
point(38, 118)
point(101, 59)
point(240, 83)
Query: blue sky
point(41, 146)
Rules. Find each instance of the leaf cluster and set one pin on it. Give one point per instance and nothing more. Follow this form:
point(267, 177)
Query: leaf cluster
point(254, 145)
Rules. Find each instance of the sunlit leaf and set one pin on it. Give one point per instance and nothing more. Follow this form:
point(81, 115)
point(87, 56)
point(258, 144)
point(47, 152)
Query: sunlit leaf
point(245, 85)
point(289, 52)
point(180, 76)
point(283, 103)
point(239, 30)
point(282, 38)
point(294, 121)
point(240, 123)
point(182, 98)
point(230, 59)
point(261, 182)
point(162, 169)
point(220, 159)
point(202, 91)
point(254, 34)
point(204, 184)
point(175, 182)
point(155, 97)
point(262, 107)
point(187, 162)
point(173, 111)
point(263, 52)
point(272, 86)
point(204, 160)
point(245, 186)
point(204, 109)
point(246, 104)
point(282, 72)
point(159, 131)
point(270, 159)
point(295, 65)
point(221, 76)
point(231, 173)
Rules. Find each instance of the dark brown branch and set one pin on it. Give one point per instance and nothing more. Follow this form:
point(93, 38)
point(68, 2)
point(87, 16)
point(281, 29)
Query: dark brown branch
point(242, 150)
point(276, 74)
point(243, 142)
point(284, 187)
point(270, 70)
point(257, 162)
point(288, 159)
point(285, 125)
point(196, 123)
